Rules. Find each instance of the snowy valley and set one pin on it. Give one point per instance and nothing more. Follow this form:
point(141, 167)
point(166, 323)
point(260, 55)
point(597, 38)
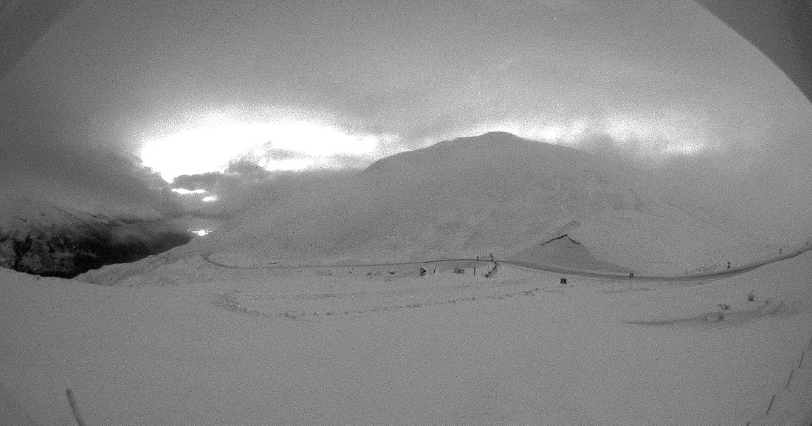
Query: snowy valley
point(48, 237)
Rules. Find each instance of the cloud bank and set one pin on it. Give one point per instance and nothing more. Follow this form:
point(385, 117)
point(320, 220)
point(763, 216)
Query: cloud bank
point(667, 87)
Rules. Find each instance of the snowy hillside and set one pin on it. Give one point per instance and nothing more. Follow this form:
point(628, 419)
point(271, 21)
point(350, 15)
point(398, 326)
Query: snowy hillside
point(468, 197)
point(52, 235)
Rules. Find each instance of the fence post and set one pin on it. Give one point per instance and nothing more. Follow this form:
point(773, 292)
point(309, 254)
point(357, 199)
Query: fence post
point(75, 408)
point(771, 404)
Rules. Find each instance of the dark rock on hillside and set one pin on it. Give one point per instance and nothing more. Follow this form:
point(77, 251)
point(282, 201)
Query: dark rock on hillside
point(78, 243)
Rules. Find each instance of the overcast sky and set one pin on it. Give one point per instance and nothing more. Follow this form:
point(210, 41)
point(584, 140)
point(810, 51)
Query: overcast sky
point(185, 86)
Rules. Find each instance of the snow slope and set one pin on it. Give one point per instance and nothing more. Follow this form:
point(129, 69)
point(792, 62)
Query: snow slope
point(258, 347)
point(54, 233)
point(494, 193)
point(564, 252)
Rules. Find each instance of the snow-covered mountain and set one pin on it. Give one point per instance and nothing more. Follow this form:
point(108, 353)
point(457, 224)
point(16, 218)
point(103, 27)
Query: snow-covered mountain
point(420, 346)
point(52, 237)
point(489, 194)
point(492, 194)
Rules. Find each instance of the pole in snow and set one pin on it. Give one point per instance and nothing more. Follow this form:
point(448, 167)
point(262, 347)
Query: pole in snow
point(75, 408)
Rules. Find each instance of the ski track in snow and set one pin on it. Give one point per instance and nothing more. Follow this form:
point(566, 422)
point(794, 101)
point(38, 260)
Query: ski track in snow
point(326, 305)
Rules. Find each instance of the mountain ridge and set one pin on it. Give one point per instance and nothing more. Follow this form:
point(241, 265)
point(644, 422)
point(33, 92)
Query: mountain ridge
point(48, 237)
point(495, 193)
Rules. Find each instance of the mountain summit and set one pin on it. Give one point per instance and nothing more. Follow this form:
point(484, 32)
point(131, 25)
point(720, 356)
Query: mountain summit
point(486, 194)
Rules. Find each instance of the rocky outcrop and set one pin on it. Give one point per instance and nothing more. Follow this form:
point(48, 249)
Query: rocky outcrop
point(76, 244)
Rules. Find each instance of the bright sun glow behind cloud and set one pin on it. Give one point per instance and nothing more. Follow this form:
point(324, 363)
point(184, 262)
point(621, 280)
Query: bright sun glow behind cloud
point(209, 144)
point(184, 191)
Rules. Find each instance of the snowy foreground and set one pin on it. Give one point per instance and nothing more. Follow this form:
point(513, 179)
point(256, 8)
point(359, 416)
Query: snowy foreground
point(259, 347)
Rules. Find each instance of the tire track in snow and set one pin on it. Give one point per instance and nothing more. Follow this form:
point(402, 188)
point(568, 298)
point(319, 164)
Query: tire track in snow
point(747, 267)
point(467, 261)
point(740, 269)
point(247, 304)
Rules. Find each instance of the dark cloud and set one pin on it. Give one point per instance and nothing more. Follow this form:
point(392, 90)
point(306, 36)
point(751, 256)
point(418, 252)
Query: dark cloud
point(76, 108)
point(106, 176)
point(245, 184)
point(417, 69)
point(23, 22)
point(204, 181)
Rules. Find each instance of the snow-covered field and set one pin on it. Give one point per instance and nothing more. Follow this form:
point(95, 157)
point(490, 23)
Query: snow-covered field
point(343, 346)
